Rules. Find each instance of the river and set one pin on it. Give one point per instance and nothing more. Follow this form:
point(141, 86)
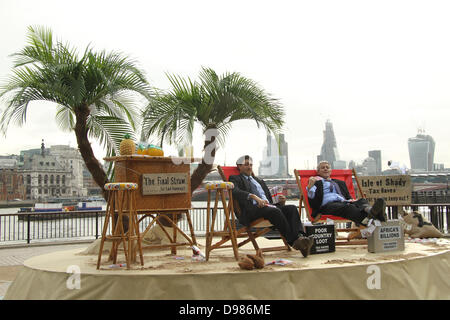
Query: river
point(14, 230)
point(195, 204)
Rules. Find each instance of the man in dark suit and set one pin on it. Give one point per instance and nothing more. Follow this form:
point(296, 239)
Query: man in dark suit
point(255, 201)
point(331, 196)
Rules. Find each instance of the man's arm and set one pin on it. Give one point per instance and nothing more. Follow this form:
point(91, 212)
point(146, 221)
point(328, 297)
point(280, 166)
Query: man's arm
point(281, 200)
point(238, 193)
point(315, 201)
point(242, 194)
point(311, 187)
point(265, 189)
point(311, 191)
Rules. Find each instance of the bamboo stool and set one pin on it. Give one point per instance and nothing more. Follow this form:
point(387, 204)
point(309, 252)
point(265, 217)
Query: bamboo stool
point(121, 199)
point(229, 230)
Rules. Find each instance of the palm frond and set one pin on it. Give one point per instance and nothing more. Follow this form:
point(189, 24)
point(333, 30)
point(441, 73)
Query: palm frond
point(109, 131)
point(216, 101)
point(65, 118)
point(47, 69)
point(99, 89)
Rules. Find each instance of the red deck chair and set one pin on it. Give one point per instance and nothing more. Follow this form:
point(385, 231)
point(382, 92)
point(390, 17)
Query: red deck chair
point(261, 225)
point(302, 177)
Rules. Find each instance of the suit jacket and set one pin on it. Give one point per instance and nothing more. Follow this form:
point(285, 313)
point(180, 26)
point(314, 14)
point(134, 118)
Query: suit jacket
point(316, 202)
point(241, 191)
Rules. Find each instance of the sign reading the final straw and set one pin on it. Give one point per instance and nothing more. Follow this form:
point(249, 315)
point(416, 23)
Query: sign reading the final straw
point(164, 183)
point(396, 190)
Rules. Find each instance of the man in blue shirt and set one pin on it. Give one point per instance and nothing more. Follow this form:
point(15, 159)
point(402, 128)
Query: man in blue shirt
point(255, 201)
point(331, 196)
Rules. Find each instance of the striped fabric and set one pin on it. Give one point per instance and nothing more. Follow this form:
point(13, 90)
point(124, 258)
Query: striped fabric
point(219, 185)
point(121, 186)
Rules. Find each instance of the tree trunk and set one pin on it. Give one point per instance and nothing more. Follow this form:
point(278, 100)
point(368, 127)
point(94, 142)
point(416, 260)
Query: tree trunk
point(205, 167)
point(199, 175)
point(92, 164)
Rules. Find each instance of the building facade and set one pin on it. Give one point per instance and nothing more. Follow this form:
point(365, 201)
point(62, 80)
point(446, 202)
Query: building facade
point(11, 182)
point(421, 152)
point(71, 159)
point(329, 151)
point(55, 172)
point(45, 176)
point(275, 158)
point(376, 155)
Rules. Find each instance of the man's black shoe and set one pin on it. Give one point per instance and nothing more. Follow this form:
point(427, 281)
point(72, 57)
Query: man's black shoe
point(304, 244)
point(378, 210)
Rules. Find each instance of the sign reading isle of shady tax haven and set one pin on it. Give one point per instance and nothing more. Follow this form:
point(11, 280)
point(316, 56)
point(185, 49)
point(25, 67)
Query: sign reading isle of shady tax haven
point(164, 183)
point(396, 190)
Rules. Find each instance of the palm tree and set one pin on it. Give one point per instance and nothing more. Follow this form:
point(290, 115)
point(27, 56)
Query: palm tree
point(95, 95)
point(215, 103)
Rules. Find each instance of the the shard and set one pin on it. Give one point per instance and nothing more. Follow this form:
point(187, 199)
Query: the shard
point(329, 150)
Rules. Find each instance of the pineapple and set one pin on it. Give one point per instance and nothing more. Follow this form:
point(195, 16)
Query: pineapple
point(127, 146)
point(160, 152)
point(155, 151)
point(141, 149)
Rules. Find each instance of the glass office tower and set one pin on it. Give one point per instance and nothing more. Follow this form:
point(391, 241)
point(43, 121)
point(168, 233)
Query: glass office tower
point(421, 152)
point(329, 150)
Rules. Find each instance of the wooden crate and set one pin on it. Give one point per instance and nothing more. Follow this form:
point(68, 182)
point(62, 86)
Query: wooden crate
point(134, 168)
point(387, 237)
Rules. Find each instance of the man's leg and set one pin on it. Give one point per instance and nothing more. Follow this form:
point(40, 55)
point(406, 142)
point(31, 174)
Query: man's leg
point(377, 211)
point(345, 210)
point(293, 219)
point(278, 219)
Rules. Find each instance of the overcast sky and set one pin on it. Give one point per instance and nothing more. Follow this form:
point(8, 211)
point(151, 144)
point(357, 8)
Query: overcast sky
point(378, 70)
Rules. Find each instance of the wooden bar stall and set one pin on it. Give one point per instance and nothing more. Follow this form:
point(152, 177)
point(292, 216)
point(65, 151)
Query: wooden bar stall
point(164, 192)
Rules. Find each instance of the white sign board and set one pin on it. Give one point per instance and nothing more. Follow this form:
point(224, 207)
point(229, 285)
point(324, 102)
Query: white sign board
point(164, 183)
point(395, 190)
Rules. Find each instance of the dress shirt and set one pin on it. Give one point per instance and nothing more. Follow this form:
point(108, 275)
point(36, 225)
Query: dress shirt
point(330, 192)
point(256, 189)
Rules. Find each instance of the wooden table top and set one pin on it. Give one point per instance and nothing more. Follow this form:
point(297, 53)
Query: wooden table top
point(139, 157)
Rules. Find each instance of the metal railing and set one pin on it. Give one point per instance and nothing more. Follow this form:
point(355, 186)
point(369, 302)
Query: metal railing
point(85, 225)
point(77, 225)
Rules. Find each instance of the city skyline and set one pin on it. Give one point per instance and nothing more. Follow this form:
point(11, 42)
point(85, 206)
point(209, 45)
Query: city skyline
point(281, 160)
point(376, 73)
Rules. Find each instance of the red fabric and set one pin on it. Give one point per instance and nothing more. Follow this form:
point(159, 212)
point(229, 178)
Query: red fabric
point(344, 175)
point(230, 171)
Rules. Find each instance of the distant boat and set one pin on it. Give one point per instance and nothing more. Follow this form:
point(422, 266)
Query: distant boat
point(57, 210)
point(90, 205)
point(48, 207)
point(43, 207)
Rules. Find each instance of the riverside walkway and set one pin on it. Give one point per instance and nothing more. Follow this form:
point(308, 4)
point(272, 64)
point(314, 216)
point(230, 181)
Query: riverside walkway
point(12, 258)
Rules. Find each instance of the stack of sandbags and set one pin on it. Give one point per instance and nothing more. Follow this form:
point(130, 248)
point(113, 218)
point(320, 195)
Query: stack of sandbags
point(417, 227)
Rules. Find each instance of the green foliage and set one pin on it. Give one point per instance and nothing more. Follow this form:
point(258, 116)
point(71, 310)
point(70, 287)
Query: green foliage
point(105, 85)
point(213, 102)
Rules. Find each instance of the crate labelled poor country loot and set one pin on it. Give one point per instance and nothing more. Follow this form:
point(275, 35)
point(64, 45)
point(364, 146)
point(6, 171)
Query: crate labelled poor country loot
point(324, 238)
point(387, 237)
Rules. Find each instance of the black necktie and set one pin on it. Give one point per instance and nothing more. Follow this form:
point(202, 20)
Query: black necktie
point(334, 185)
point(252, 187)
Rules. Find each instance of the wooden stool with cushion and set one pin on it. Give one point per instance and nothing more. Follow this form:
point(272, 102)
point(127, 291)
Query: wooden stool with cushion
point(121, 203)
point(229, 230)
